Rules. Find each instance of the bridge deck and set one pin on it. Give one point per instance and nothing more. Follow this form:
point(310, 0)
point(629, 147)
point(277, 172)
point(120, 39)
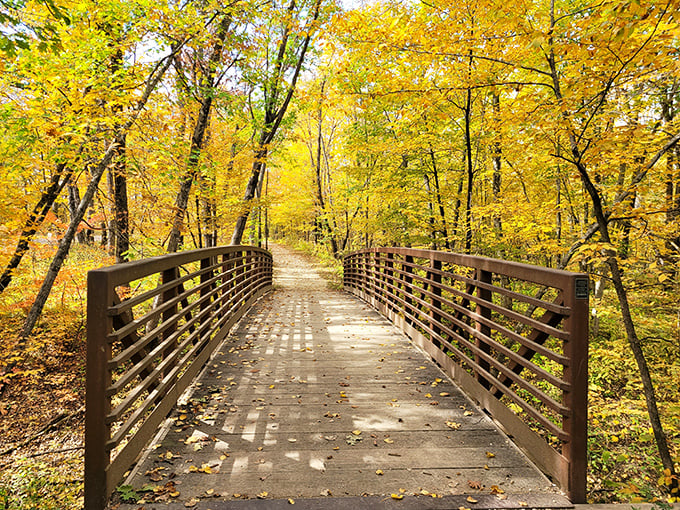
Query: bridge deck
point(316, 395)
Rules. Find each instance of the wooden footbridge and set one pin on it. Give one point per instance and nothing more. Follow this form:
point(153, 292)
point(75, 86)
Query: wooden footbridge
point(434, 380)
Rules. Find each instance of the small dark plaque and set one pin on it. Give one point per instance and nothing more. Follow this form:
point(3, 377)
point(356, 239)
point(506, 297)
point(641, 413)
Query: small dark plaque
point(582, 288)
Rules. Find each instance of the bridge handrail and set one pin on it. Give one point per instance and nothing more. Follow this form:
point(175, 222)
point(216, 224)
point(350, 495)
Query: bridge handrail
point(476, 317)
point(151, 326)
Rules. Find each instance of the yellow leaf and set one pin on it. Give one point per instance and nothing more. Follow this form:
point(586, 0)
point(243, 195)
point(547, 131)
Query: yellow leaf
point(379, 472)
point(444, 394)
point(291, 501)
point(388, 440)
point(453, 425)
point(263, 495)
point(470, 499)
point(490, 455)
point(397, 496)
point(356, 432)
point(428, 395)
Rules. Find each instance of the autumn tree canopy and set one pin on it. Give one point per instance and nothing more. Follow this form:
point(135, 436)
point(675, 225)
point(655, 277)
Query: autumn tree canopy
point(543, 131)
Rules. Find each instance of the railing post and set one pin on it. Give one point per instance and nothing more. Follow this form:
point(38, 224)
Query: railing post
point(575, 449)
point(408, 286)
point(167, 315)
point(97, 404)
point(361, 271)
point(205, 276)
point(389, 280)
point(485, 294)
point(228, 266)
point(435, 279)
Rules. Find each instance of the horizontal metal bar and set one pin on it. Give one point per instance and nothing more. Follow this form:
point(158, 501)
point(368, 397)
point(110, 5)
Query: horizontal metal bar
point(129, 271)
point(558, 358)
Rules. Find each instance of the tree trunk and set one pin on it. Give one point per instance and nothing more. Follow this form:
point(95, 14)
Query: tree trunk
point(430, 218)
point(120, 200)
point(197, 139)
point(496, 160)
point(440, 202)
point(469, 172)
point(73, 201)
point(62, 176)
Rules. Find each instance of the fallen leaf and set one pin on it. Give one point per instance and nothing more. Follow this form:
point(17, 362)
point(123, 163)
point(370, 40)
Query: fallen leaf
point(490, 455)
point(356, 432)
point(453, 425)
point(262, 495)
point(468, 413)
point(470, 499)
point(428, 395)
point(191, 502)
point(388, 440)
point(444, 394)
point(397, 496)
point(495, 489)
point(291, 501)
point(522, 503)
point(379, 472)
point(474, 484)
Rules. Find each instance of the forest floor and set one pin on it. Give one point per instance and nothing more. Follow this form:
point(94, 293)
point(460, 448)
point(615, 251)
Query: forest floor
point(42, 413)
point(42, 424)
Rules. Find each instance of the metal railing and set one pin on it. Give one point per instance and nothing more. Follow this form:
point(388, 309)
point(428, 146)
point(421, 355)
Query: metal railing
point(151, 326)
point(513, 336)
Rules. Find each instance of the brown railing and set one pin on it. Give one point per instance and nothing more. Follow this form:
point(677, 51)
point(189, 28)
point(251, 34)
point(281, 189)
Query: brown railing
point(513, 336)
point(151, 326)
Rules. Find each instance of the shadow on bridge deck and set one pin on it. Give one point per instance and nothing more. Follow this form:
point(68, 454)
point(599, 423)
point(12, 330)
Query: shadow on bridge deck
point(315, 397)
